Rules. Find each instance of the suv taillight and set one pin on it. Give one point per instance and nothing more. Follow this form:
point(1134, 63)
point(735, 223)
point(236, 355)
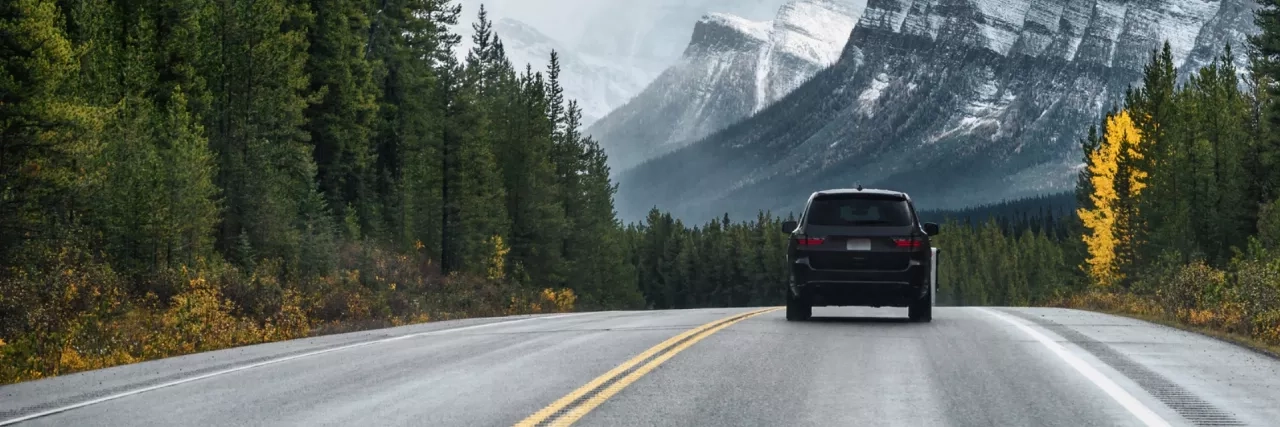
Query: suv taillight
point(810, 241)
point(908, 242)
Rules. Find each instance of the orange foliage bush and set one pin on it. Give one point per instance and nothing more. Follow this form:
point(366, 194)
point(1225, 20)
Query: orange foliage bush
point(1267, 327)
point(1242, 301)
point(76, 315)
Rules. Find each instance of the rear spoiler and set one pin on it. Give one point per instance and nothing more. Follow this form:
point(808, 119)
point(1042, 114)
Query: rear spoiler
point(867, 196)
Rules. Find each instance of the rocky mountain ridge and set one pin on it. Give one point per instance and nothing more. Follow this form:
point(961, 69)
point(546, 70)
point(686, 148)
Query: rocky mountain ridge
point(731, 68)
point(958, 102)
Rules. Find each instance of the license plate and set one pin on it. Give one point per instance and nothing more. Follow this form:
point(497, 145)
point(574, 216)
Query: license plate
point(858, 244)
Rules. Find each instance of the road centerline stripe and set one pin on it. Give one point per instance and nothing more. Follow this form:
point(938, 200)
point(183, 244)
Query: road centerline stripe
point(571, 407)
point(166, 384)
point(1132, 404)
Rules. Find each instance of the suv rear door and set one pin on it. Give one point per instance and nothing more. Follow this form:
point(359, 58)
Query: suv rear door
point(860, 232)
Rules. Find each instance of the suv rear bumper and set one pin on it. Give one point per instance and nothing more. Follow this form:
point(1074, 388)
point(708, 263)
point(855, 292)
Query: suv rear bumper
point(861, 288)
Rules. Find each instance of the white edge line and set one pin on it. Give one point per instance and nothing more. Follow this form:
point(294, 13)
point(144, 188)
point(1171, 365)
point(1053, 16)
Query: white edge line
point(264, 363)
point(1145, 414)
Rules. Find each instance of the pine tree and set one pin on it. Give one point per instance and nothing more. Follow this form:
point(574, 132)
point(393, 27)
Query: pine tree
point(686, 270)
point(1155, 112)
point(656, 233)
point(556, 101)
point(1265, 69)
point(160, 186)
point(155, 207)
point(1076, 249)
point(340, 123)
point(1220, 112)
point(596, 265)
point(1127, 184)
point(524, 149)
point(478, 58)
point(183, 29)
point(473, 208)
point(410, 41)
point(39, 168)
point(255, 68)
point(570, 159)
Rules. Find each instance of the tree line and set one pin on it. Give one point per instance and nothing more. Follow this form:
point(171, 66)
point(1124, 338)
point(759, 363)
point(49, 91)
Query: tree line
point(1012, 253)
point(154, 133)
point(717, 264)
point(1181, 173)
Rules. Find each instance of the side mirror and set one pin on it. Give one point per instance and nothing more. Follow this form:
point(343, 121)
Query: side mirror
point(931, 229)
point(789, 226)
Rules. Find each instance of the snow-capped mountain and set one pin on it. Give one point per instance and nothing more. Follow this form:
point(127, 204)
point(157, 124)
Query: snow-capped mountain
point(656, 32)
point(599, 84)
point(731, 68)
point(807, 36)
point(958, 102)
point(610, 48)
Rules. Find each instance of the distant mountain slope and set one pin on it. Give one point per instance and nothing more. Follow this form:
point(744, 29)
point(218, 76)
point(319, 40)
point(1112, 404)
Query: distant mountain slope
point(958, 102)
point(731, 68)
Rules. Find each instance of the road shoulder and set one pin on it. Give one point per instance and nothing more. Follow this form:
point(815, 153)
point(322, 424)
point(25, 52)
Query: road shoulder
point(1205, 380)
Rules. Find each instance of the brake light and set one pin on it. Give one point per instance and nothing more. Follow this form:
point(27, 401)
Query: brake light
point(810, 241)
point(910, 242)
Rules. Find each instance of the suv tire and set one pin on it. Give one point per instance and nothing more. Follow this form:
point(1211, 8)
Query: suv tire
point(921, 310)
point(798, 309)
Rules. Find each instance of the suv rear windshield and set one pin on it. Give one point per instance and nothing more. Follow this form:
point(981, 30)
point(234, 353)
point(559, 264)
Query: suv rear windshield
point(858, 210)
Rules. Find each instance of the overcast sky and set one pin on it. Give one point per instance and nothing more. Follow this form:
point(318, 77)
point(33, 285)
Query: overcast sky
point(626, 28)
point(563, 20)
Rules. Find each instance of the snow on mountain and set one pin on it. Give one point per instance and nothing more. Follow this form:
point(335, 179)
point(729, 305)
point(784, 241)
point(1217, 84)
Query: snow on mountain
point(958, 102)
point(654, 32)
point(731, 68)
point(1106, 30)
point(807, 37)
point(817, 30)
point(752, 29)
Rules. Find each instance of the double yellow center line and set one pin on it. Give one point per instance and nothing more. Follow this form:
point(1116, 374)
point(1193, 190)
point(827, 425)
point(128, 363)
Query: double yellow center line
point(573, 406)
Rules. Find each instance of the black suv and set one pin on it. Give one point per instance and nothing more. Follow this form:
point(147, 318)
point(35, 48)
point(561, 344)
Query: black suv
point(859, 247)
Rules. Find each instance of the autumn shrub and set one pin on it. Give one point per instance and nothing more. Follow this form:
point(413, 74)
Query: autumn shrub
point(1242, 300)
point(50, 313)
point(259, 293)
point(463, 295)
point(1196, 286)
point(1106, 301)
point(74, 314)
point(1255, 293)
point(561, 300)
point(1266, 327)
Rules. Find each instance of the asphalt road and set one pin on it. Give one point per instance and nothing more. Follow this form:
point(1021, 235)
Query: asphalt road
point(715, 367)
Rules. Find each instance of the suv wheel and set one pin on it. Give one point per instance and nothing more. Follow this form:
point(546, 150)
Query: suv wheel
point(921, 310)
point(797, 309)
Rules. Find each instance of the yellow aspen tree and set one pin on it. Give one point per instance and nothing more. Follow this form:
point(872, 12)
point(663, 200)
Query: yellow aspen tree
point(498, 258)
point(1104, 219)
